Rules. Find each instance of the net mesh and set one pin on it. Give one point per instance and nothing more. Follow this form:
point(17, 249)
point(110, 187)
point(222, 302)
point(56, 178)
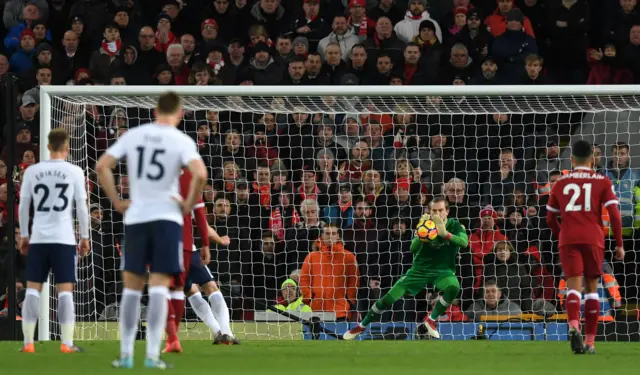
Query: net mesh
point(369, 165)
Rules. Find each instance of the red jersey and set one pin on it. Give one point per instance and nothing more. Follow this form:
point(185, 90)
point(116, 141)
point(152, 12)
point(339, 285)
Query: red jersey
point(198, 213)
point(578, 198)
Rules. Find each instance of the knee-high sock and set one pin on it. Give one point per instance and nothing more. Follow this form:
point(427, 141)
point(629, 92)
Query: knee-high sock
point(177, 302)
point(203, 310)
point(220, 312)
point(383, 304)
point(66, 317)
point(450, 288)
point(171, 328)
point(129, 316)
point(30, 311)
point(573, 308)
point(156, 319)
point(591, 314)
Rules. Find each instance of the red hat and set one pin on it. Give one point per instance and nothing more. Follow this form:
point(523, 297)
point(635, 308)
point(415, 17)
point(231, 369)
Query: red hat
point(459, 10)
point(209, 21)
point(489, 211)
point(356, 3)
point(26, 32)
point(402, 183)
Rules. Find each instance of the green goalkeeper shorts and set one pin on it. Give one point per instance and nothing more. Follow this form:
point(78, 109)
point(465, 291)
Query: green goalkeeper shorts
point(414, 281)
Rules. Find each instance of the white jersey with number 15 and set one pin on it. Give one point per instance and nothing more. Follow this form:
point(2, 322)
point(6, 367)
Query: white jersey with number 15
point(154, 154)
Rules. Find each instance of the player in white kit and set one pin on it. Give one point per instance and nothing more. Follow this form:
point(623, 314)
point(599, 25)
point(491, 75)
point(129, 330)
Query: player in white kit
point(154, 154)
point(53, 186)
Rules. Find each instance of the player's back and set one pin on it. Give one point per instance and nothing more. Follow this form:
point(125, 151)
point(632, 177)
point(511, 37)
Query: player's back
point(154, 155)
point(52, 186)
point(579, 197)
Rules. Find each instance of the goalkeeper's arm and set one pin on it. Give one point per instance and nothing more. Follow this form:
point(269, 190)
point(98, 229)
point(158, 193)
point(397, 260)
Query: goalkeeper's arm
point(459, 238)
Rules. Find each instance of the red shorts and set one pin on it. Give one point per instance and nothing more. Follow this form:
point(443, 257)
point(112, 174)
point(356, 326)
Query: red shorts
point(581, 260)
point(179, 280)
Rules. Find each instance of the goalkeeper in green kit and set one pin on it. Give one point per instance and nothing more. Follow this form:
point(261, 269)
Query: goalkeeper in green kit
point(434, 264)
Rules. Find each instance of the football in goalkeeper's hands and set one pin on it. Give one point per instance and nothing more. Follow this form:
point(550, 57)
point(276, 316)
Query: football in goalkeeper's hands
point(426, 230)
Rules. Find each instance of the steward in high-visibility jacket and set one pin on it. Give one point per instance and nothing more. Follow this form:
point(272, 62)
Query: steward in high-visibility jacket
point(608, 291)
point(626, 186)
point(290, 299)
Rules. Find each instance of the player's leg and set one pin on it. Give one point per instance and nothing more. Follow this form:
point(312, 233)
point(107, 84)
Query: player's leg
point(37, 271)
point(572, 267)
point(134, 269)
point(397, 291)
point(176, 308)
point(593, 259)
point(166, 260)
point(220, 312)
point(202, 308)
point(64, 270)
point(450, 287)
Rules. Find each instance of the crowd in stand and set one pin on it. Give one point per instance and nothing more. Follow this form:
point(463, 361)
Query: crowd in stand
point(321, 208)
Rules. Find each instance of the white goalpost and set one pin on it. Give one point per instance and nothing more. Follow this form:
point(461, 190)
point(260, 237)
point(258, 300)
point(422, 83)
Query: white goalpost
point(428, 141)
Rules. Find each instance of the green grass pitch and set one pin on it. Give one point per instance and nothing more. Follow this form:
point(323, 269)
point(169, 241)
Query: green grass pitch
point(336, 358)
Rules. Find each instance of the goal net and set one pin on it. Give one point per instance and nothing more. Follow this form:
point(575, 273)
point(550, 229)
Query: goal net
point(284, 164)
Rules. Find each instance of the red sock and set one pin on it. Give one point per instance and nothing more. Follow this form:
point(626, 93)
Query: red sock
point(178, 308)
point(591, 314)
point(171, 329)
point(573, 309)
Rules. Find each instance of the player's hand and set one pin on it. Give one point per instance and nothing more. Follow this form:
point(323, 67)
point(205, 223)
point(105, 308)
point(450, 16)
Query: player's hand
point(619, 252)
point(224, 241)
point(440, 226)
point(84, 247)
point(24, 246)
point(205, 255)
point(121, 205)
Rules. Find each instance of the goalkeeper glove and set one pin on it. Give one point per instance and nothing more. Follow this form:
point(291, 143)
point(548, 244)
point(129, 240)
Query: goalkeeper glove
point(441, 227)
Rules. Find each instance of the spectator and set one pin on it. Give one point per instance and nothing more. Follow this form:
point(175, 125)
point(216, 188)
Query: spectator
point(497, 23)
point(164, 36)
point(291, 301)
point(460, 65)
point(23, 143)
point(301, 46)
point(312, 24)
point(262, 69)
point(609, 69)
point(306, 234)
point(512, 47)
point(22, 60)
point(631, 54)
point(30, 15)
point(461, 206)
point(315, 74)
point(148, 57)
point(533, 66)
point(236, 53)
point(284, 50)
point(179, 69)
point(106, 60)
point(264, 270)
point(489, 74)
point(459, 21)
point(227, 17)
point(475, 37)
point(16, 11)
point(550, 161)
point(386, 8)
point(569, 22)
point(362, 25)
point(483, 239)
point(623, 18)
point(493, 304)
point(343, 35)
point(504, 181)
point(408, 28)
point(188, 43)
point(334, 66)
point(270, 14)
point(626, 182)
point(296, 72)
point(335, 291)
point(386, 41)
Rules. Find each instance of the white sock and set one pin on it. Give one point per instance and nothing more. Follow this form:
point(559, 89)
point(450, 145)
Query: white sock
point(156, 319)
point(66, 317)
point(221, 312)
point(129, 316)
point(203, 310)
point(30, 310)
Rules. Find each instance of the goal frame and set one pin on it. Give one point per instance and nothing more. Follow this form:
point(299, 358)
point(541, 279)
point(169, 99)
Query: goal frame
point(47, 92)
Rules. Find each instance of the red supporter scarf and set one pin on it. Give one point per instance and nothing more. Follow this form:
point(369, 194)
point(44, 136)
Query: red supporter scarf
point(276, 223)
point(304, 195)
point(408, 72)
point(410, 15)
point(344, 207)
point(309, 20)
point(105, 47)
point(265, 194)
point(229, 186)
point(364, 26)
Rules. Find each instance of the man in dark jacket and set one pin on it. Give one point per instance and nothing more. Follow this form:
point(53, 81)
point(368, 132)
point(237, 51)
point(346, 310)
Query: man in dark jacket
point(263, 69)
point(296, 72)
point(384, 40)
point(489, 74)
point(512, 47)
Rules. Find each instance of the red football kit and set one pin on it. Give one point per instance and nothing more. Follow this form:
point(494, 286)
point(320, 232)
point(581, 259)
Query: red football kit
point(578, 198)
point(187, 229)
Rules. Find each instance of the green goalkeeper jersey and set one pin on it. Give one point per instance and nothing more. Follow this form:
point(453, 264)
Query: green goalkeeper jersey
point(440, 254)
